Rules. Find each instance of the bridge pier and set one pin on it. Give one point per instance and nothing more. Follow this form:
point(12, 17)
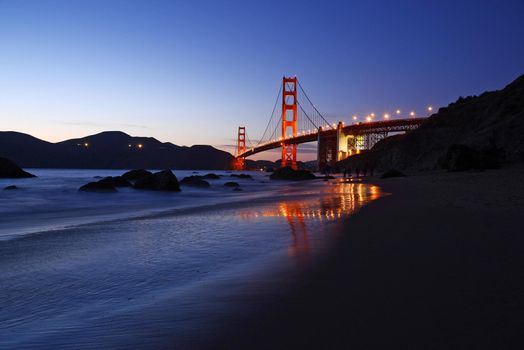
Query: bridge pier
point(326, 149)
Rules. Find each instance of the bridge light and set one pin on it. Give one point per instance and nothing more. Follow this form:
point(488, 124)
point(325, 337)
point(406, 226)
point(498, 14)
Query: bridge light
point(140, 145)
point(386, 116)
point(430, 109)
point(86, 144)
point(398, 111)
point(412, 114)
point(355, 117)
point(368, 118)
point(372, 114)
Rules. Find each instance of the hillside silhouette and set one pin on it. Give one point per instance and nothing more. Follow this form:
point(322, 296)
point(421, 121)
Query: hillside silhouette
point(109, 150)
point(477, 131)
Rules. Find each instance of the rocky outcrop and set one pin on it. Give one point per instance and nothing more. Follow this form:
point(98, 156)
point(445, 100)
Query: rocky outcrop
point(136, 174)
point(211, 176)
point(288, 173)
point(161, 181)
point(482, 131)
point(194, 181)
point(10, 187)
point(98, 186)
point(10, 170)
point(231, 184)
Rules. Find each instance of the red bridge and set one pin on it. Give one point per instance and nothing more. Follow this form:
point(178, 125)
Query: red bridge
point(300, 123)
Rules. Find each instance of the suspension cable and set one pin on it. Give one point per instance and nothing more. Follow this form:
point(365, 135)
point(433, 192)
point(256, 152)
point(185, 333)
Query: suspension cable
point(272, 114)
point(307, 97)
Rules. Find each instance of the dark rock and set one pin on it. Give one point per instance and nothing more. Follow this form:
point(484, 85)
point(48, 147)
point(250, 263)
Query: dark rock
point(231, 184)
point(287, 173)
point(97, 177)
point(116, 181)
point(245, 176)
point(328, 177)
point(237, 189)
point(136, 174)
point(11, 187)
point(462, 158)
point(211, 176)
point(98, 186)
point(392, 173)
point(194, 181)
point(161, 181)
point(10, 170)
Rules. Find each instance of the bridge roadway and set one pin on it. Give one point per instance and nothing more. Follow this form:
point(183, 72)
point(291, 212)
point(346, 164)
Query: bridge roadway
point(378, 127)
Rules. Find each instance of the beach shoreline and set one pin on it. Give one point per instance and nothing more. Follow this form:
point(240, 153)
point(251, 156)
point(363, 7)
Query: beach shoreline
point(437, 264)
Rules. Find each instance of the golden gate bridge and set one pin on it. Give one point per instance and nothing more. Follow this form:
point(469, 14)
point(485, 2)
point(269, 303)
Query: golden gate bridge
point(299, 121)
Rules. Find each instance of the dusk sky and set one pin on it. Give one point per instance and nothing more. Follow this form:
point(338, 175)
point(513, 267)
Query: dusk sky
point(192, 72)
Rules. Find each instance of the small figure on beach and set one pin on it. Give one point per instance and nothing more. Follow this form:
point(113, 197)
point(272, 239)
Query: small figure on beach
point(345, 173)
point(358, 172)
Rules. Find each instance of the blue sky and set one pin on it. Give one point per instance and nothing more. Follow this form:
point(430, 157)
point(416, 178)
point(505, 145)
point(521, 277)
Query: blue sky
point(191, 72)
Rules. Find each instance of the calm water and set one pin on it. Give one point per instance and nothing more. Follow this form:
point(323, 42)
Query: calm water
point(150, 270)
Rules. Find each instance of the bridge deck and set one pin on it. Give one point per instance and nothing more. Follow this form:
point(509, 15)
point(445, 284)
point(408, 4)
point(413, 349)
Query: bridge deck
point(385, 126)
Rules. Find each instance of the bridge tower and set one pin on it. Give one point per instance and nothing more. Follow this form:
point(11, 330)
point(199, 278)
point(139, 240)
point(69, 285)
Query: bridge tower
point(241, 148)
point(289, 121)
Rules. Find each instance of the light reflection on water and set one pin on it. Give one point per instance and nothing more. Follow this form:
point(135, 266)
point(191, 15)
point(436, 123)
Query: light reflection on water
point(97, 284)
point(338, 199)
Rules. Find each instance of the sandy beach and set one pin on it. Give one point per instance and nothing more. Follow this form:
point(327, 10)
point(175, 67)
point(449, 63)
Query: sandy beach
point(438, 264)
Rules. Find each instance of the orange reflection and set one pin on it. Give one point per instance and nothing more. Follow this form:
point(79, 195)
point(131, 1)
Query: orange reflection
point(331, 203)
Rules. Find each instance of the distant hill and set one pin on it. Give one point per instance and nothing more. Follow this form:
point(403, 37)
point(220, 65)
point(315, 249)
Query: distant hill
point(109, 150)
point(488, 126)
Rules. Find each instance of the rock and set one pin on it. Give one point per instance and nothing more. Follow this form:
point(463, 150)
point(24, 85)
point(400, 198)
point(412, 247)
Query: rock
point(98, 177)
point(287, 173)
point(161, 181)
point(98, 186)
point(11, 187)
point(116, 181)
point(211, 176)
point(237, 189)
point(462, 158)
point(231, 184)
point(10, 170)
point(194, 181)
point(136, 174)
point(245, 176)
point(392, 173)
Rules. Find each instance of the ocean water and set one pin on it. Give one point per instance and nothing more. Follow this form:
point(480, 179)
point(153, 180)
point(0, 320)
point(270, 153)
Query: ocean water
point(147, 269)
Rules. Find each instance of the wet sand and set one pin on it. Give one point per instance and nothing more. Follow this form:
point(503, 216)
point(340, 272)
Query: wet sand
point(438, 264)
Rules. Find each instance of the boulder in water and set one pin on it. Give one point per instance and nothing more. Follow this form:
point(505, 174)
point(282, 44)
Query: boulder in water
point(231, 184)
point(10, 170)
point(194, 181)
point(136, 174)
point(116, 181)
point(10, 187)
point(287, 173)
point(161, 181)
point(98, 186)
point(211, 176)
